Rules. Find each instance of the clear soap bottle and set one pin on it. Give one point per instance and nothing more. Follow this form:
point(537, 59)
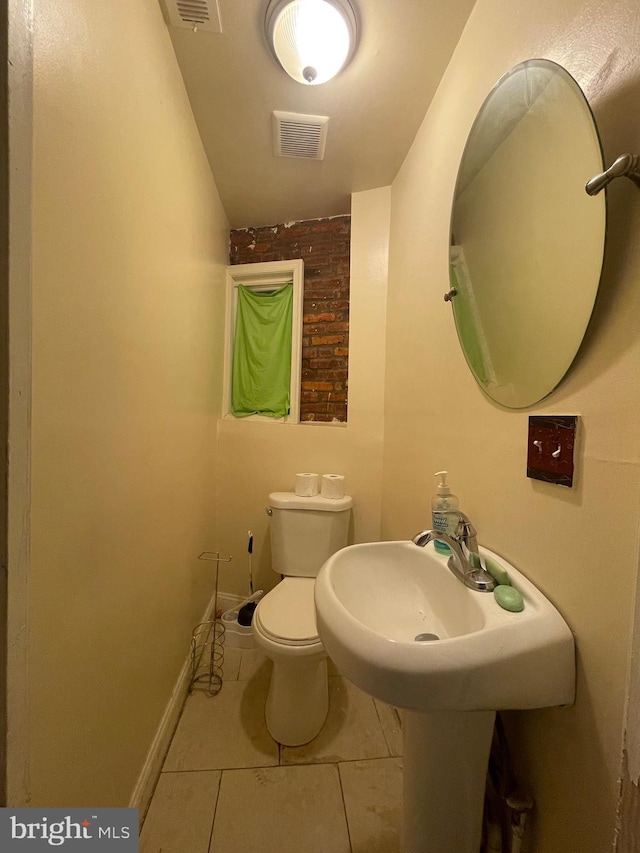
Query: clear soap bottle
point(441, 503)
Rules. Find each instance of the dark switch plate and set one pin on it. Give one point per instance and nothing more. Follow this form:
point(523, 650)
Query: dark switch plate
point(550, 448)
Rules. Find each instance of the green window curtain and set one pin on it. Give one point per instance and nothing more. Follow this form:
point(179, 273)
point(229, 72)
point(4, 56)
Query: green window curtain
point(261, 375)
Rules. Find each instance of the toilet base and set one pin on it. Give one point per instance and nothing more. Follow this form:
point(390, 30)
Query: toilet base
point(298, 700)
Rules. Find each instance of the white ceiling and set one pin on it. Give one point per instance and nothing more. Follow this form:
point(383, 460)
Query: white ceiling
point(375, 105)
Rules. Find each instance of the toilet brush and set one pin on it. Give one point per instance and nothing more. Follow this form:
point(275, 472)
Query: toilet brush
point(245, 614)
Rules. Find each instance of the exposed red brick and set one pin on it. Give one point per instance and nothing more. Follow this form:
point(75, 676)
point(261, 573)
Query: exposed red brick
point(327, 317)
point(321, 407)
point(330, 225)
point(325, 340)
point(334, 375)
point(319, 418)
point(324, 246)
point(317, 386)
point(297, 230)
point(242, 238)
point(314, 329)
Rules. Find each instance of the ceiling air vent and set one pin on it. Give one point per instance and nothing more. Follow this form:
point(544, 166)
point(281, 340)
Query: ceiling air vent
point(298, 135)
point(193, 14)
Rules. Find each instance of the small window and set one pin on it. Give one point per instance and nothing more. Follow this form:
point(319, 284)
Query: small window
point(263, 341)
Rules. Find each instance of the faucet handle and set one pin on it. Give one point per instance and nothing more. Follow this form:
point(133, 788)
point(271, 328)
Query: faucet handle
point(465, 528)
point(465, 531)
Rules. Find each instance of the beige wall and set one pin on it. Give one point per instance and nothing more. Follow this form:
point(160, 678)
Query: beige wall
point(579, 546)
point(258, 458)
point(129, 250)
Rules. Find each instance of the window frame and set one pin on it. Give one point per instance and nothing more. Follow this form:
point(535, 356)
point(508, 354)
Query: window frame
point(265, 275)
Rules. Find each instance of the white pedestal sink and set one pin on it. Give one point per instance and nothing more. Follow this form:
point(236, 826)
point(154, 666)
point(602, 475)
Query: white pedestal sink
point(372, 602)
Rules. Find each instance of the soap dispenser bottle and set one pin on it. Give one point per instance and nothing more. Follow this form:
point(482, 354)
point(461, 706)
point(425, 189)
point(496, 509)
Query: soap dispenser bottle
point(441, 503)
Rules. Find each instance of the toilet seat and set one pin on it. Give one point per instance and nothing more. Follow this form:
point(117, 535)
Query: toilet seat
point(287, 614)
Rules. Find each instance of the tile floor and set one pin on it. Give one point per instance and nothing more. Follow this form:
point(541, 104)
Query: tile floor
point(227, 787)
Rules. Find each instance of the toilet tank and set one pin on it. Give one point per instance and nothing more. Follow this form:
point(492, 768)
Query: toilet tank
point(305, 532)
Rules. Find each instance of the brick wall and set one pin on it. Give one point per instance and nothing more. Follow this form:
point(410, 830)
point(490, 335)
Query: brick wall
point(324, 245)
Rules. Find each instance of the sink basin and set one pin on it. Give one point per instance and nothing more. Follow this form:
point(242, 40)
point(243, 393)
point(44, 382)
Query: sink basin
point(403, 628)
point(374, 600)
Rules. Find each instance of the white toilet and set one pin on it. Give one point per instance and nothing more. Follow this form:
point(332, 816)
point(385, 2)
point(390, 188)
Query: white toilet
point(305, 532)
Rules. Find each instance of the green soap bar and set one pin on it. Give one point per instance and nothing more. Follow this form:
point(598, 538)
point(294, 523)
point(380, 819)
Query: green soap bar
point(496, 571)
point(508, 598)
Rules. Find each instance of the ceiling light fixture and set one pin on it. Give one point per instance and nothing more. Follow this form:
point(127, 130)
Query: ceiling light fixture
point(311, 39)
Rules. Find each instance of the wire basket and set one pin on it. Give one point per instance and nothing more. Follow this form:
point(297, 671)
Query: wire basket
point(207, 657)
point(207, 642)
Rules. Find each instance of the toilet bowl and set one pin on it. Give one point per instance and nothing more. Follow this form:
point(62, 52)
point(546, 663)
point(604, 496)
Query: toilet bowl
point(305, 532)
point(285, 629)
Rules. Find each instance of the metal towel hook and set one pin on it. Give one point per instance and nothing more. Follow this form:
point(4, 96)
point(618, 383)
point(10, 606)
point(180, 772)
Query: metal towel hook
point(627, 165)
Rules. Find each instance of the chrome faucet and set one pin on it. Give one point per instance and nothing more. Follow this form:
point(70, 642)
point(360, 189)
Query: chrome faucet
point(463, 545)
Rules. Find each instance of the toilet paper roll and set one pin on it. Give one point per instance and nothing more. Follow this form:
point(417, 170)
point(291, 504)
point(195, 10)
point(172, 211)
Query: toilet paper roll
point(332, 486)
point(307, 485)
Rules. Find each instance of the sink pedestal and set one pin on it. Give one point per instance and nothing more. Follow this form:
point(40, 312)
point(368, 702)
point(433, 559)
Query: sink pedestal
point(373, 601)
point(446, 754)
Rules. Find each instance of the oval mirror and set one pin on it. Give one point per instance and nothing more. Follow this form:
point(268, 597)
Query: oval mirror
point(527, 241)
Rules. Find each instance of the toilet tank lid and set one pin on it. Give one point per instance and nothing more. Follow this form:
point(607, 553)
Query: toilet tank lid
point(289, 500)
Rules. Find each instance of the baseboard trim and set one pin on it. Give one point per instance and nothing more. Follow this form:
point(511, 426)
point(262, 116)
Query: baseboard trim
point(150, 773)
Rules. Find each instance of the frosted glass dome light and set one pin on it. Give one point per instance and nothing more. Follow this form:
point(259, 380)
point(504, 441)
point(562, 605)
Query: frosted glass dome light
point(311, 39)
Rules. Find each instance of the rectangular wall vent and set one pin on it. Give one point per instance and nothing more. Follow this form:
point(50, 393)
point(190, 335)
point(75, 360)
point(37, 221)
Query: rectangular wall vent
point(193, 14)
point(299, 135)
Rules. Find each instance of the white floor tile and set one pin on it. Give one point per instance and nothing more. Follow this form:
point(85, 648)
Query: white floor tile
point(227, 730)
point(391, 726)
point(373, 799)
point(281, 810)
point(180, 817)
point(352, 730)
point(231, 664)
point(332, 669)
point(255, 664)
